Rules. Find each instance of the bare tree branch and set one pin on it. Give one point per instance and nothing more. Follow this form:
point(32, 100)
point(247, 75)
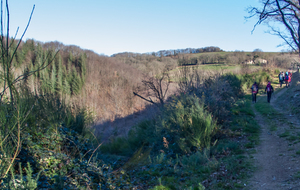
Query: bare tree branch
point(158, 86)
point(284, 12)
point(144, 98)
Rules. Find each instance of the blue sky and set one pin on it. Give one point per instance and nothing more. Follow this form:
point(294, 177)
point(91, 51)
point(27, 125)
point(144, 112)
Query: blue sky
point(113, 26)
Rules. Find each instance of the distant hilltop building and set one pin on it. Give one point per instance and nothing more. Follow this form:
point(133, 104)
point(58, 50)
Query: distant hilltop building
point(257, 61)
point(250, 62)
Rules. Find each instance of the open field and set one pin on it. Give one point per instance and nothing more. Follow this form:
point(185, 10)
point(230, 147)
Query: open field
point(230, 53)
point(207, 70)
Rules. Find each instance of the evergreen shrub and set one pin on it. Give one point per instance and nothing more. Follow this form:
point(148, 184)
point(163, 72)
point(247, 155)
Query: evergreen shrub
point(184, 126)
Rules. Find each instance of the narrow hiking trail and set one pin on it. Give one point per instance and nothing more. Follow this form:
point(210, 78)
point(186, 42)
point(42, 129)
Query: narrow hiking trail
point(277, 157)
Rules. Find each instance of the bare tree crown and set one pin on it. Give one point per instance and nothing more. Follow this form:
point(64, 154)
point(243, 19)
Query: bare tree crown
point(284, 12)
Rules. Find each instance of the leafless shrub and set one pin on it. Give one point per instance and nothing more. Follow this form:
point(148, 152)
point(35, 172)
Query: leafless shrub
point(283, 60)
point(245, 68)
point(189, 78)
point(218, 90)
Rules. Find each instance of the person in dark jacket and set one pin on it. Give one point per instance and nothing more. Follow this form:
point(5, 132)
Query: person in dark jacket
point(281, 78)
point(269, 89)
point(254, 90)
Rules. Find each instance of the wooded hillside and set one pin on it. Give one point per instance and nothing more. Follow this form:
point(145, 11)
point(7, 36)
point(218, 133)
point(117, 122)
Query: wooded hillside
point(104, 84)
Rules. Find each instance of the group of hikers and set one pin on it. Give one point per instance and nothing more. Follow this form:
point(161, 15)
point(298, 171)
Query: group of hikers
point(283, 77)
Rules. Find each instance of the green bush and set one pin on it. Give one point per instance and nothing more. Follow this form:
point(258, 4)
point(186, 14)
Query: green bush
point(261, 78)
point(187, 125)
point(196, 160)
point(183, 126)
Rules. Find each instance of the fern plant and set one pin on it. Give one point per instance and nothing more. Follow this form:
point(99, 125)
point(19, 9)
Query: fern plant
point(19, 182)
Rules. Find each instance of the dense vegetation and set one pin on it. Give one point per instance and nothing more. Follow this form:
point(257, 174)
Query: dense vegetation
point(50, 101)
point(64, 75)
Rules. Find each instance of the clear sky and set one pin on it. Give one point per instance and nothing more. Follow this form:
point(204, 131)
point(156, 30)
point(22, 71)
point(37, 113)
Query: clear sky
point(114, 26)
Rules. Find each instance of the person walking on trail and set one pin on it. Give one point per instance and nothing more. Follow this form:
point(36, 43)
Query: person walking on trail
point(290, 77)
point(254, 89)
point(286, 79)
point(290, 74)
point(269, 89)
point(281, 78)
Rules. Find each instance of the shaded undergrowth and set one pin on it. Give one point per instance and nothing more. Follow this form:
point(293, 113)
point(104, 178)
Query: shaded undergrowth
point(44, 143)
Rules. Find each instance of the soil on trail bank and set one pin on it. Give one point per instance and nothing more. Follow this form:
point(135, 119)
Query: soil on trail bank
point(277, 157)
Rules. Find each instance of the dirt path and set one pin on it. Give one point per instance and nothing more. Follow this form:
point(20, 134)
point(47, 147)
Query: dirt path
point(277, 157)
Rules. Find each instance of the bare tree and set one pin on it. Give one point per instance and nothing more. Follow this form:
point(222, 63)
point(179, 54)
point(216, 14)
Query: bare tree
point(188, 78)
point(158, 85)
point(284, 12)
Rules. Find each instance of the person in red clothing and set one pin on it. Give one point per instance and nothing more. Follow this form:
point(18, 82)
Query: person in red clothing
point(286, 79)
point(290, 77)
point(269, 89)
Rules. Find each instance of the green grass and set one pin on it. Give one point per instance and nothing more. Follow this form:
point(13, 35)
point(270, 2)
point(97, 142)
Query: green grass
point(297, 175)
point(214, 68)
point(264, 108)
point(271, 117)
point(292, 138)
point(205, 67)
point(273, 127)
point(227, 53)
point(245, 120)
point(285, 134)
